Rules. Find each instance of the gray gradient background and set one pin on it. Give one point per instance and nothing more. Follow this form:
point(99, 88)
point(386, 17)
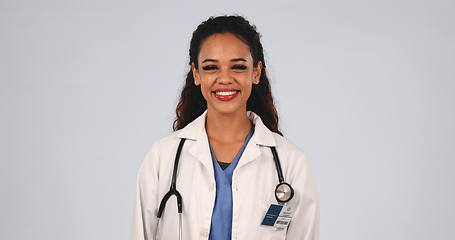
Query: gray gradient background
point(365, 87)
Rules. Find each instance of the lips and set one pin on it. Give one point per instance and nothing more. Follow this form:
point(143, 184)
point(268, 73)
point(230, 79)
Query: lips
point(225, 94)
point(225, 90)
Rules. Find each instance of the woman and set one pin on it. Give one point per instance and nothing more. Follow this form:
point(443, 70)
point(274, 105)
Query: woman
point(226, 171)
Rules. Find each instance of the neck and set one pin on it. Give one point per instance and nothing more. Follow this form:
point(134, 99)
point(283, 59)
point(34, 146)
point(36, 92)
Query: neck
point(227, 128)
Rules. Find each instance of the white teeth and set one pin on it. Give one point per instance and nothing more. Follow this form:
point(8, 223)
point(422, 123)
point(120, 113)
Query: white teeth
point(225, 93)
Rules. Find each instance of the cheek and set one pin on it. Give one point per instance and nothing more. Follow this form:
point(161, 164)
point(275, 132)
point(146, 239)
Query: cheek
point(246, 93)
point(205, 89)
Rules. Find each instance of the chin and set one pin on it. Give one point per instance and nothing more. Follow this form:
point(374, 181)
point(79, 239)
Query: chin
point(226, 109)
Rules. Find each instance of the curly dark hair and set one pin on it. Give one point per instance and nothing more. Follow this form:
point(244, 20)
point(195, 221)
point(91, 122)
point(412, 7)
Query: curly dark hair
point(192, 104)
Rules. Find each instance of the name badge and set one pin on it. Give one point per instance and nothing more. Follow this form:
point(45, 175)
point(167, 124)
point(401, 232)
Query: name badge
point(278, 216)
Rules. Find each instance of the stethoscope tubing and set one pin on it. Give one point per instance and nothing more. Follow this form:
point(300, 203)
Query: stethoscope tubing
point(173, 188)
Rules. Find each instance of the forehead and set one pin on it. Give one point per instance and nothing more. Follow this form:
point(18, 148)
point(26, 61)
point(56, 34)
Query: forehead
point(224, 46)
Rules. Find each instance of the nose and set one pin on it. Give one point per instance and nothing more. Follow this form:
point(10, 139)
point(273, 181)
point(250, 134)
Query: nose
point(225, 76)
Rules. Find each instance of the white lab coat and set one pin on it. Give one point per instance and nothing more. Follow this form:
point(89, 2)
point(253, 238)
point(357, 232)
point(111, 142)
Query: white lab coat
point(253, 186)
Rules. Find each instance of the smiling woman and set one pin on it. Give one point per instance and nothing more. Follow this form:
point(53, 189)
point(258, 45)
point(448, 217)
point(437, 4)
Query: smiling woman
point(226, 61)
point(236, 177)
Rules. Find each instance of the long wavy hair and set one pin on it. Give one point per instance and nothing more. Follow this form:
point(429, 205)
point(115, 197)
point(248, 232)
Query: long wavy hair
point(192, 103)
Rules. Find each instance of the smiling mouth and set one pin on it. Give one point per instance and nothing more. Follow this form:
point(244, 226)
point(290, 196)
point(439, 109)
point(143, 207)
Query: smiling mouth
point(230, 92)
point(225, 94)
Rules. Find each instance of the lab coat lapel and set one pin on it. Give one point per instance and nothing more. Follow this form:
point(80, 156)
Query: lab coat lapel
point(262, 136)
point(196, 131)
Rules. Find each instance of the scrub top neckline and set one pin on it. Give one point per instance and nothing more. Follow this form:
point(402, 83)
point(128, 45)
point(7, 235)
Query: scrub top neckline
point(236, 158)
point(224, 165)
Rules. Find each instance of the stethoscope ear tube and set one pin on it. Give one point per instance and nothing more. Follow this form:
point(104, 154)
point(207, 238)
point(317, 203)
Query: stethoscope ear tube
point(164, 201)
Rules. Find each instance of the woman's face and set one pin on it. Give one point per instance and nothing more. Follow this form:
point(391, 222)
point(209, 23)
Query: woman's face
point(225, 72)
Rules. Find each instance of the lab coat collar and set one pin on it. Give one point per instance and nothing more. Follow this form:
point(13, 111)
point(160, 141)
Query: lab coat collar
point(196, 131)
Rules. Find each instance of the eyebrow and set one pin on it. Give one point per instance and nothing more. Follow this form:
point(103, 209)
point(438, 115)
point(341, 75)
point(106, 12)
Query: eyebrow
point(232, 60)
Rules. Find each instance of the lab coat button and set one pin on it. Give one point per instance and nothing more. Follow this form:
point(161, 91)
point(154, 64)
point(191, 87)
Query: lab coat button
point(212, 187)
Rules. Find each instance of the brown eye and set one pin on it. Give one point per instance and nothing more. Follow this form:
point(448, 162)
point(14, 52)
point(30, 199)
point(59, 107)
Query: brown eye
point(241, 67)
point(209, 67)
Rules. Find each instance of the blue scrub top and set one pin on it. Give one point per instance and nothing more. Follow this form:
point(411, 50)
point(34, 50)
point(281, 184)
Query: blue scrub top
point(221, 225)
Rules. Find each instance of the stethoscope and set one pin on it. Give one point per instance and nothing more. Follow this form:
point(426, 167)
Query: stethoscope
point(283, 191)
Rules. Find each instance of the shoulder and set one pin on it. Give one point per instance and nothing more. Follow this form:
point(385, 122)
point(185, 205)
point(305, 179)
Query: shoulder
point(166, 143)
point(288, 149)
point(160, 144)
point(159, 148)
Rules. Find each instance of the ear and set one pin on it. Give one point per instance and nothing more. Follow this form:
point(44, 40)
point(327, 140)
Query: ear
point(195, 74)
point(257, 73)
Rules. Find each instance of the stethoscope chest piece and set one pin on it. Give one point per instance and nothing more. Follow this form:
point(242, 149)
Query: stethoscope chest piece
point(284, 192)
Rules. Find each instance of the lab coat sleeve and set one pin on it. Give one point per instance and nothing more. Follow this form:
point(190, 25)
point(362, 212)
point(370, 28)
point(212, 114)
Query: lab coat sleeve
point(305, 223)
point(145, 221)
